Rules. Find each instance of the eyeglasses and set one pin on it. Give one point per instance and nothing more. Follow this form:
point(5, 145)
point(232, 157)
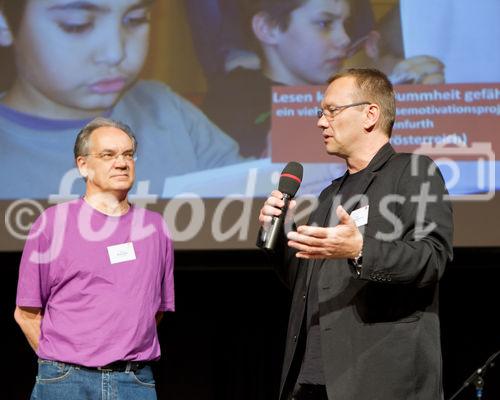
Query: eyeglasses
point(332, 112)
point(107, 157)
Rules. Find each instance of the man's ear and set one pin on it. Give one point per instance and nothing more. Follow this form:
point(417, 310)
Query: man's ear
point(81, 163)
point(6, 37)
point(264, 28)
point(372, 115)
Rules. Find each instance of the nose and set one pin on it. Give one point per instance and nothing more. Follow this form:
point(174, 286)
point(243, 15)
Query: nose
point(322, 122)
point(120, 162)
point(111, 50)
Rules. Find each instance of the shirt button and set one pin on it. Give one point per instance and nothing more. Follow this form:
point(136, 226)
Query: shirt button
point(304, 296)
point(295, 338)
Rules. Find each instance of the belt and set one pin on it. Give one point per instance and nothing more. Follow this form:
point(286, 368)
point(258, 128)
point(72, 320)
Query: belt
point(120, 366)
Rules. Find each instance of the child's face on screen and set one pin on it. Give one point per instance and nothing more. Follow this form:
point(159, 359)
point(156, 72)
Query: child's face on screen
point(315, 43)
point(74, 58)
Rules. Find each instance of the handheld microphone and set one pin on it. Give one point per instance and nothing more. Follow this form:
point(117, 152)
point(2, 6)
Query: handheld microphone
point(289, 183)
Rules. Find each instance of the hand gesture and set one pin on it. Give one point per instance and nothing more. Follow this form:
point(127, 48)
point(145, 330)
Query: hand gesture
point(342, 241)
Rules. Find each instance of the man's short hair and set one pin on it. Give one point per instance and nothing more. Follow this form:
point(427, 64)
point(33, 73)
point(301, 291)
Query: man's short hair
point(374, 86)
point(82, 142)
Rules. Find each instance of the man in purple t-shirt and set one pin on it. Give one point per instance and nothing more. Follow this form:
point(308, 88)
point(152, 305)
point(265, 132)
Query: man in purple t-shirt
point(96, 276)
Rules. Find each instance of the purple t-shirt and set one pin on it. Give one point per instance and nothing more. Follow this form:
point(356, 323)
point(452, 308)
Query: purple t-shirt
point(99, 302)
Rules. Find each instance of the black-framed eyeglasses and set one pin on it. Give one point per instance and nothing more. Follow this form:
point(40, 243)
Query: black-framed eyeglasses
point(332, 112)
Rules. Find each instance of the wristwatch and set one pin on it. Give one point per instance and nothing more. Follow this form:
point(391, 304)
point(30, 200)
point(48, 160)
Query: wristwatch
point(356, 264)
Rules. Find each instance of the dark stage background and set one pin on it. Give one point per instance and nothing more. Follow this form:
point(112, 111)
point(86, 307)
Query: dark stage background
point(225, 341)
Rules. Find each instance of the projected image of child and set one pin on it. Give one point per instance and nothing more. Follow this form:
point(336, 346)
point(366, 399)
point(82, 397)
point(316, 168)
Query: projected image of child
point(297, 42)
point(73, 61)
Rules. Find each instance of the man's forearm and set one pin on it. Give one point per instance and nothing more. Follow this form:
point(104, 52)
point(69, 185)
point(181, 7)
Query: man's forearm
point(158, 317)
point(29, 320)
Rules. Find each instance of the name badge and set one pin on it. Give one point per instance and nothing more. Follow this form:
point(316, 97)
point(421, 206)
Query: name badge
point(121, 253)
point(360, 216)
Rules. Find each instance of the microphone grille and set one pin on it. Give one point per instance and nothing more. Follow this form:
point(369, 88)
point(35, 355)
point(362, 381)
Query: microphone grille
point(291, 178)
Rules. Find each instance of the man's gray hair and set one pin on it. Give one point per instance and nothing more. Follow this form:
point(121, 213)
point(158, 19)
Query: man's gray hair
point(82, 140)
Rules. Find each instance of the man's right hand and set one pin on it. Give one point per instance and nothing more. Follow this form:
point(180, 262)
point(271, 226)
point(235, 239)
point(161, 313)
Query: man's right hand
point(30, 320)
point(272, 208)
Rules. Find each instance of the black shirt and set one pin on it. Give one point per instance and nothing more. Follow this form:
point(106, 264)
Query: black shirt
point(311, 371)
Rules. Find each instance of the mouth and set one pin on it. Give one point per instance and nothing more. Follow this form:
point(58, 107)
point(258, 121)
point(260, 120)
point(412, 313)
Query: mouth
point(327, 138)
point(107, 86)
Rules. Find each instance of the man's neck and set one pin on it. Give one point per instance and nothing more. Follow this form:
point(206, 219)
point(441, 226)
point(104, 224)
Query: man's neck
point(361, 159)
point(112, 204)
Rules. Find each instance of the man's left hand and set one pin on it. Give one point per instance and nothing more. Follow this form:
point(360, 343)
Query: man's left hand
point(342, 241)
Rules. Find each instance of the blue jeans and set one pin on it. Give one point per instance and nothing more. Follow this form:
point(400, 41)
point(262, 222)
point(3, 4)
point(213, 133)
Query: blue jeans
point(60, 381)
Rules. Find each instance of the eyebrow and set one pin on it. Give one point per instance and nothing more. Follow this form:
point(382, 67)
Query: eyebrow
point(142, 4)
point(326, 106)
point(114, 151)
point(78, 5)
point(89, 6)
point(329, 14)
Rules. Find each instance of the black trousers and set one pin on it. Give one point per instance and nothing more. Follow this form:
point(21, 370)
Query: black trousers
point(309, 392)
